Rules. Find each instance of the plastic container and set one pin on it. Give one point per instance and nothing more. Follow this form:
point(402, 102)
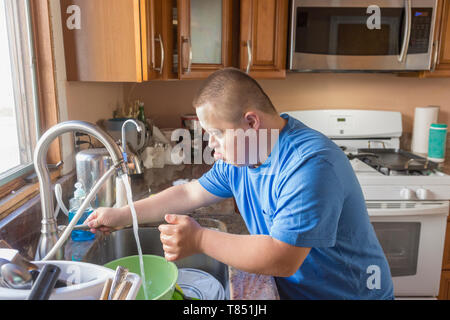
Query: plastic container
point(437, 142)
point(161, 275)
point(75, 203)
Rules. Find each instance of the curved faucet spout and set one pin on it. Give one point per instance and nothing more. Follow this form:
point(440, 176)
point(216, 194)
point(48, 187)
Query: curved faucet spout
point(49, 230)
point(124, 141)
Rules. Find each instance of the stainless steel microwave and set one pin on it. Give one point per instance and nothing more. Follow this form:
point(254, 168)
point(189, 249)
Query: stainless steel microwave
point(374, 35)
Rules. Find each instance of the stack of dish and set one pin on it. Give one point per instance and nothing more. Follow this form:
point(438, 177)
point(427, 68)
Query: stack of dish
point(199, 284)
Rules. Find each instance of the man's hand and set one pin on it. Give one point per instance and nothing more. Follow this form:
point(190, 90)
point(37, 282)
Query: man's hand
point(108, 219)
point(181, 237)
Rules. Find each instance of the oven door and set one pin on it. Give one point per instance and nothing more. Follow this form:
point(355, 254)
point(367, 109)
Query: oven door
point(375, 35)
point(412, 235)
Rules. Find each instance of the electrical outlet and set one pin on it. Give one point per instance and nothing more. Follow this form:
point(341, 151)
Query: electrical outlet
point(79, 141)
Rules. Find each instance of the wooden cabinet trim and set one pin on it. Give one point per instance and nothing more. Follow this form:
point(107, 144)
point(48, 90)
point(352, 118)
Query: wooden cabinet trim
point(441, 43)
point(145, 34)
point(444, 36)
point(45, 74)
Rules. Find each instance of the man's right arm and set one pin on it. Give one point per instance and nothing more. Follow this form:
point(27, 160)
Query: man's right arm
point(179, 199)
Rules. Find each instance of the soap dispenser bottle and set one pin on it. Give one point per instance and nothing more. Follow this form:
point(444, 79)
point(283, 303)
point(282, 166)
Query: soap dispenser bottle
point(75, 203)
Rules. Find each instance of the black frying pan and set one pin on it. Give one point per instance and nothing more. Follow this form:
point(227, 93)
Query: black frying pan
point(397, 160)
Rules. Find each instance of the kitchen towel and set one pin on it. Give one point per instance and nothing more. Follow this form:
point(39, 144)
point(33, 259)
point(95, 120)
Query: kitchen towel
point(423, 118)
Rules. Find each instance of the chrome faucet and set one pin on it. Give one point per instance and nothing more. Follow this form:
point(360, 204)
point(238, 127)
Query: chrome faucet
point(124, 136)
point(49, 230)
point(133, 155)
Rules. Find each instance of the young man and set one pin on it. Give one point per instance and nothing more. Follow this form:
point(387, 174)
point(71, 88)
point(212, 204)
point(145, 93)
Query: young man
point(299, 197)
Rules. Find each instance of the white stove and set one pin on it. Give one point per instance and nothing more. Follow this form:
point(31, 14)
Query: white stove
point(408, 208)
point(399, 186)
point(361, 129)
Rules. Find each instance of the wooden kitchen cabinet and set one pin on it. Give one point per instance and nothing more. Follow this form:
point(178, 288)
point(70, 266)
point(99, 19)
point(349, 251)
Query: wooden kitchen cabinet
point(205, 37)
point(441, 45)
point(263, 38)
point(116, 40)
point(441, 67)
point(102, 42)
point(444, 290)
point(142, 40)
point(446, 256)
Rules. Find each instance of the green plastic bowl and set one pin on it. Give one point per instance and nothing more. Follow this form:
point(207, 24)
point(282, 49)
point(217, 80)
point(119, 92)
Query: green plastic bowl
point(160, 274)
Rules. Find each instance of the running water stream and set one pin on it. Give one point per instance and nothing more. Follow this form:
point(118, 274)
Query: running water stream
point(127, 185)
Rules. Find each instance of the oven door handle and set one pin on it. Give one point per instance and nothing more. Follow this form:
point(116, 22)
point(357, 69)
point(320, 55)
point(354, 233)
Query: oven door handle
point(407, 37)
point(439, 208)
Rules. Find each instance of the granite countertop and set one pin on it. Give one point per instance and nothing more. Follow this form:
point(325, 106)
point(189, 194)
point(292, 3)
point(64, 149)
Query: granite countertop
point(243, 285)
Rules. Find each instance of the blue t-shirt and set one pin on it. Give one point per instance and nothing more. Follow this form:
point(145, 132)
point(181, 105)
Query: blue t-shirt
point(306, 194)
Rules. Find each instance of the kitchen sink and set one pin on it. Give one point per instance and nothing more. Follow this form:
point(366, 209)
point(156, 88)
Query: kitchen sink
point(122, 244)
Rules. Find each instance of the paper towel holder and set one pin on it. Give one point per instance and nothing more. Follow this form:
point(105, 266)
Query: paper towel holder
point(423, 118)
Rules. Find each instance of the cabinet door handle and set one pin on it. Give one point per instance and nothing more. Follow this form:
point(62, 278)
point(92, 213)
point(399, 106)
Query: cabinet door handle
point(188, 41)
point(250, 55)
point(161, 43)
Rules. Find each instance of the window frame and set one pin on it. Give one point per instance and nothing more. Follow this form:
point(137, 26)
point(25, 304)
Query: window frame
point(17, 190)
point(19, 76)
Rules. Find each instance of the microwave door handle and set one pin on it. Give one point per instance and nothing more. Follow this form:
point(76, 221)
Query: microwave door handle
point(407, 38)
point(436, 56)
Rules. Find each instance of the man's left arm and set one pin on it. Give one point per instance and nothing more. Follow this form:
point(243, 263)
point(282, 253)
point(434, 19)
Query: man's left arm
point(308, 209)
point(259, 254)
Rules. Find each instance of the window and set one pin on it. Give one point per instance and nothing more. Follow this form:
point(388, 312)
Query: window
point(18, 100)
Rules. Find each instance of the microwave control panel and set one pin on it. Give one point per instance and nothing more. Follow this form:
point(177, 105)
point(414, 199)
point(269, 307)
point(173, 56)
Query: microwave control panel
point(422, 19)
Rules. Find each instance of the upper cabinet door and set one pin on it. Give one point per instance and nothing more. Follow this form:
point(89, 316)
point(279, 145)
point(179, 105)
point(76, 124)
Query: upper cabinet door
point(159, 33)
point(441, 44)
point(102, 40)
point(443, 61)
point(263, 48)
point(204, 39)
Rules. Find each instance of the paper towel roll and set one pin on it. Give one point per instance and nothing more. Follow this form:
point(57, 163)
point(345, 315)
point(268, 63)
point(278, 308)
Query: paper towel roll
point(423, 118)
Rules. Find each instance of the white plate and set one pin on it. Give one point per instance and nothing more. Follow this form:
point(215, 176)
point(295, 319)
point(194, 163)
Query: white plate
point(199, 284)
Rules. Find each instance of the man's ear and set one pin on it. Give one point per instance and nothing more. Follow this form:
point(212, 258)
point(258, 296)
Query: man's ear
point(252, 119)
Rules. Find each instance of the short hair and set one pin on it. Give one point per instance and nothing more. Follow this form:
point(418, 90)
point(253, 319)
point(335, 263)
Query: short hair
point(234, 92)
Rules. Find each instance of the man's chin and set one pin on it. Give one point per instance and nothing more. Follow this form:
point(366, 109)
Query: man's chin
point(241, 165)
point(220, 157)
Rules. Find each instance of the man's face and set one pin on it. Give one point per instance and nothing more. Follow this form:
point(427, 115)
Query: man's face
point(222, 136)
